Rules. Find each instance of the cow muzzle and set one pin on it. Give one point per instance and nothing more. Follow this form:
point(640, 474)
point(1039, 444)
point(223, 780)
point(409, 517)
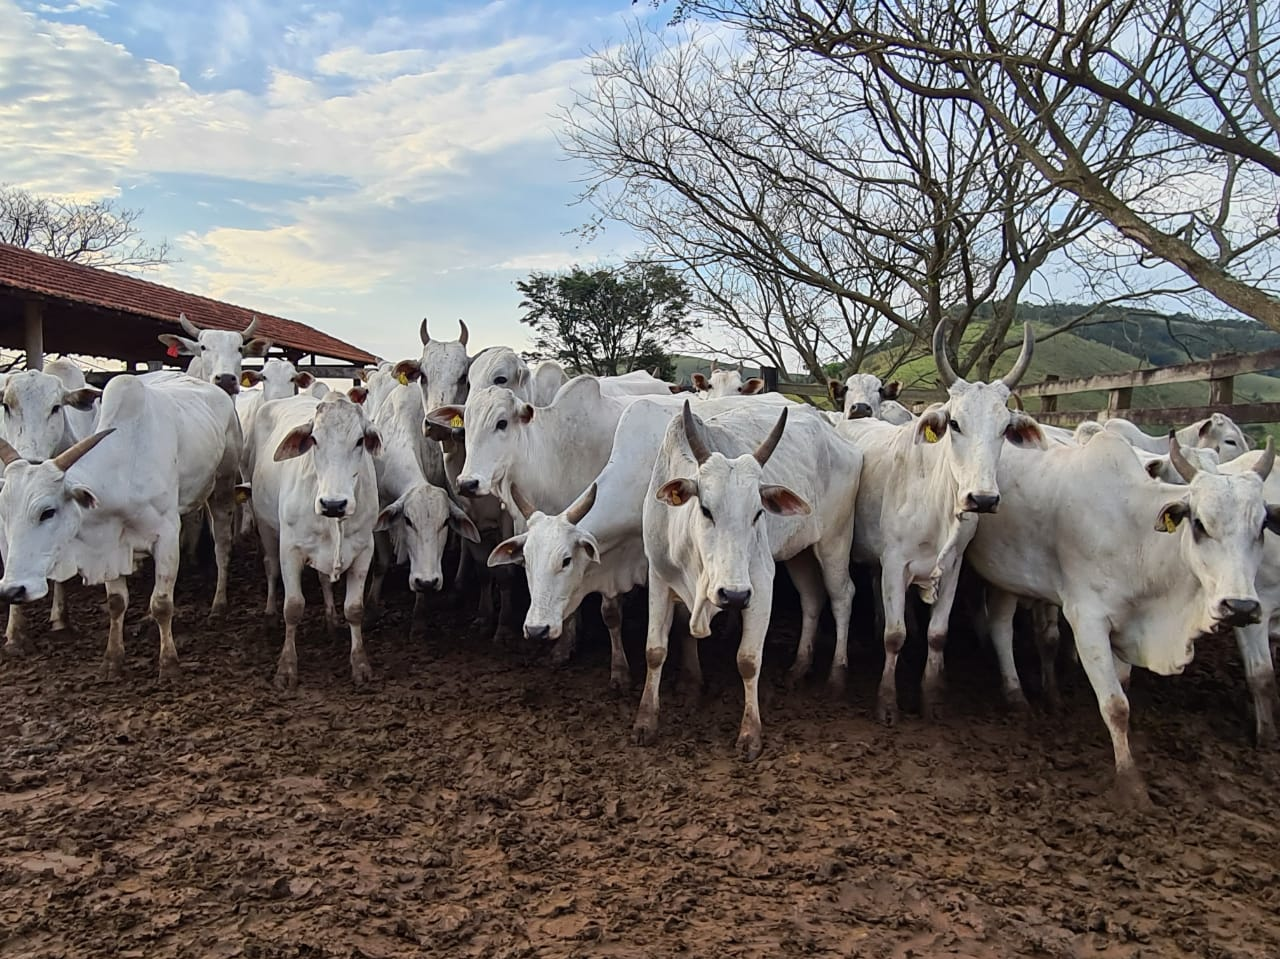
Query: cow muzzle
point(733, 598)
point(1239, 612)
point(422, 585)
point(332, 508)
point(982, 503)
point(859, 411)
point(14, 594)
point(537, 634)
point(469, 487)
point(228, 383)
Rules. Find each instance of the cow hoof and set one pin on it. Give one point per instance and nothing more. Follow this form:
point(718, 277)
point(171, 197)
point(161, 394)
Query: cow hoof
point(111, 670)
point(887, 714)
point(619, 683)
point(837, 682)
point(644, 733)
point(1016, 702)
point(361, 673)
point(286, 678)
point(59, 625)
point(217, 612)
point(931, 709)
point(1264, 735)
point(796, 676)
point(749, 747)
point(503, 635)
point(1131, 792)
point(170, 670)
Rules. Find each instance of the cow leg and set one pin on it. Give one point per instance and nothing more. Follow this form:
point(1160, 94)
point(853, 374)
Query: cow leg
point(381, 563)
point(1044, 617)
point(689, 681)
point(1093, 640)
point(270, 564)
point(504, 631)
point(287, 665)
point(661, 607)
point(59, 620)
point(222, 508)
point(117, 603)
point(834, 559)
point(934, 665)
point(807, 578)
point(16, 640)
point(619, 668)
point(353, 612)
point(1001, 607)
point(166, 573)
point(893, 589)
point(189, 538)
point(462, 575)
point(562, 650)
point(1255, 650)
point(755, 623)
point(330, 607)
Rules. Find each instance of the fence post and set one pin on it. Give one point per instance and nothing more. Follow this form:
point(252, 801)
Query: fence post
point(1222, 391)
point(770, 376)
point(1049, 403)
point(1120, 399)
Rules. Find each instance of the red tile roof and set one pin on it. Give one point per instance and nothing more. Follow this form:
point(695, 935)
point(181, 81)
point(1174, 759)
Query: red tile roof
point(23, 271)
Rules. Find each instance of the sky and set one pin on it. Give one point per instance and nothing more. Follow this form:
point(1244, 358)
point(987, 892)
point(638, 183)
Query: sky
point(353, 166)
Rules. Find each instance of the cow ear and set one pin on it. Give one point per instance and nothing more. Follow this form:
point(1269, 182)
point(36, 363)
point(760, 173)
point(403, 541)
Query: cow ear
point(372, 441)
point(780, 500)
point(303, 381)
point(753, 385)
point(509, 552)
point(357, 395)
point(1272, 522)
point(932, 425)
point(461, 524)
point(890, 391)
point(407, 371)
point(390, 513)
point(677, 492)
point(1171, 516)
point(1154, 468)
point(589, 546)
point(296, 443)
point(256, 348)
point(1023, 430)
point(526, 414)
point(250, 378)
point(700, 382)
point(675, 387)
point(179, 344)
point(836, 390)
point(81, 399)
point(442, 422)
point(84, 496)
point(434, 431)
point(1205, 427)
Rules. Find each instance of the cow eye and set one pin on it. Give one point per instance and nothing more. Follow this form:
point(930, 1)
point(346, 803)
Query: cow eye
point(566, 562)
point(47, 514)
point(56, 408)
point(759, 513)
point(1198, 529)
point(1228, 442)
point(408, 522)
point(500, 381)
point(705, 512)
point(462, 380)
point(502, 425)
point(954, 427)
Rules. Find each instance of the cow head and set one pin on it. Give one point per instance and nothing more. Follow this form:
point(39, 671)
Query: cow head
point(496, 424)
point(556, 555)
point(725, 525)
point(1221, 521)
point(974, 424)
point(219, 354)
point(278, 378)
point(726, 383)
point(500, 367)
point(1220, 434)
point(41, 511)
point(338, 437)
point(441, 371)
point(861, 394)
point(419, 523)
point(33, 408)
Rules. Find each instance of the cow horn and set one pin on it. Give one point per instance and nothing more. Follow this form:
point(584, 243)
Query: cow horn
point(1016, 400)
point(765, 449)
point(422, 332)
point(583, 506)
point(462, 337)
point(192, 330)
point(1011, 378)
point(66, 459)
point(523, 505)
point(1180, 463)
point(945, 369)
point(696, 444)
point(250, 329)
point(1268, 460)
point(7, 453)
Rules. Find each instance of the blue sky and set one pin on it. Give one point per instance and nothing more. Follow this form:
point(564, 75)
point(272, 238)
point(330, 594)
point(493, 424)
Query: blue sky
point(353, 166)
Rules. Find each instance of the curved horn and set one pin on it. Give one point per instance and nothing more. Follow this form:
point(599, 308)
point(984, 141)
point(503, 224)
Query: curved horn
point(8, 454)
point(696, 445)
point(462, 337)
point(1016, 400)
point(422, 332)
point(249, 330)
point(1011, 378)
point(1180, 462)
point(65, 460)
point(1268, 460)
point(765, 449)
point(583, 506)
point(523, 505)
point(945, 369)
point(192, 330)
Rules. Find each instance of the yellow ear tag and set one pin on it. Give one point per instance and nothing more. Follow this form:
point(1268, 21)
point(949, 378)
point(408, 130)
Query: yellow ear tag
point(929, 435)
point(242, 496)
point(675, 498)
point(1169, 525)
point(456, 421)
point(245, 381)
point(402, 379)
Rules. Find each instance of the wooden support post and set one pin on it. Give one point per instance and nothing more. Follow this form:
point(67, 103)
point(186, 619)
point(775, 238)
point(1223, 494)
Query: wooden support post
point(770, 376)
point(1120, 399)
point(1049, 402)
point(1222, 391)
point(33, 318)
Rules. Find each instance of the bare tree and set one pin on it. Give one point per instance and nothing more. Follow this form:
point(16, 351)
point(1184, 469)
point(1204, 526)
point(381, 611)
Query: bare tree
point(99, 233)
point(1192, 85)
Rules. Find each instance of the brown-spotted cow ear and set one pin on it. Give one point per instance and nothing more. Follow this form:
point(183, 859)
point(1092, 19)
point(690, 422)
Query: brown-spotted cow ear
point(752, 386)
point(700, 382)
point(784, 502)
point(932, 425)
point(836, 390)
point(526, 414)
point(1155, 467)
point(256, 348)
point(1272, 522)
point(444, 423)
point(509, 551)
point(1023, 430)
point(407, 371)
point(179, 344)
point(358, 394)
point(677, 492)
point(890, 391)
point(372, 441)
point(296, 443)
point(1171, 516)
point(250, 379)
point(303, 381)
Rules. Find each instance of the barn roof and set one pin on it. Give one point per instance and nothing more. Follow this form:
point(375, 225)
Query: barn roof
point(95, 312)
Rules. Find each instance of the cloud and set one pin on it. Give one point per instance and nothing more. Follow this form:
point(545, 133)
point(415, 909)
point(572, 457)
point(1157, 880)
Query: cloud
point(99, 7)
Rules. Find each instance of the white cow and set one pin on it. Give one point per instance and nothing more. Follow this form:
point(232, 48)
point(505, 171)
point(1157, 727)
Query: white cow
point(864, 395)
point(923, 486)
point(172, 445)
point(218, 355)
point(502, 366)
point(1076, 531)
point(315, 501)
point(380, 381)
point(82, 421)
point(726, 383)
point(277, 379)
point(601, 533)
point(714, 524)
point(1216, 432)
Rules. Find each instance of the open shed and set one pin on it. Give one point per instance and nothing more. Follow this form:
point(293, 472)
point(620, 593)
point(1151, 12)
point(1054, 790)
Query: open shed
point(51, 305)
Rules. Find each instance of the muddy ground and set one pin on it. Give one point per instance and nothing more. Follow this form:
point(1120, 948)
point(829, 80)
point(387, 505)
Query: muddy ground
point(473, 801)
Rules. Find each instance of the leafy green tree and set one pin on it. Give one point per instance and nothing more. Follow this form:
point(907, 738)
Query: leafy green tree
point(609, 320)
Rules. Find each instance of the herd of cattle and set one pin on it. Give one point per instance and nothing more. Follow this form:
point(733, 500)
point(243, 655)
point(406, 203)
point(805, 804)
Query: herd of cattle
point(602, 484)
